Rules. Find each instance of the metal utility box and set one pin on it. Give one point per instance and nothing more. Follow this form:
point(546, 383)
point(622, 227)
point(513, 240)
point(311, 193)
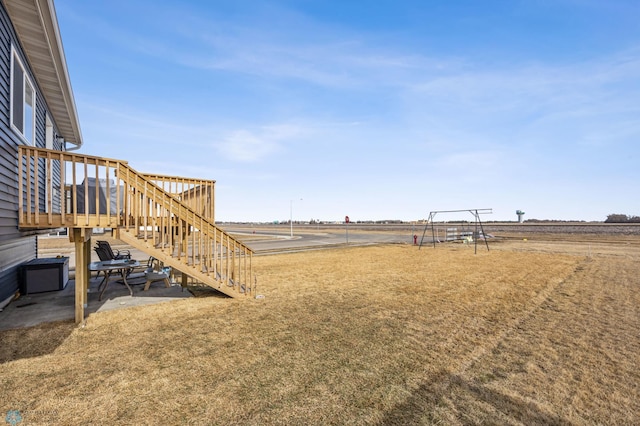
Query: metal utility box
point(41, 275)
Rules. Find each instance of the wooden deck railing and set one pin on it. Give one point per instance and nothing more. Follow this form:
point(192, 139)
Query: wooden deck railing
point(61, 189)
point(196, 193)
point(174, 216)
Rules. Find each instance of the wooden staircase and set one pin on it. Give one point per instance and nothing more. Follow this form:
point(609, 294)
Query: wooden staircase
point(224, 279)
point(169, 218)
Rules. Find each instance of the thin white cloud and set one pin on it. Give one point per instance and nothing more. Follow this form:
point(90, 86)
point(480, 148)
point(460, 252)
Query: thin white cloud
point(544, 84)
point(302, 50)
point(245, 146)
point(540, 102)
point(473, 160)
point(249, 146)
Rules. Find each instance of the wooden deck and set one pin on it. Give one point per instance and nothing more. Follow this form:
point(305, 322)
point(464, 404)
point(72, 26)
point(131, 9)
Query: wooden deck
point(170, 218)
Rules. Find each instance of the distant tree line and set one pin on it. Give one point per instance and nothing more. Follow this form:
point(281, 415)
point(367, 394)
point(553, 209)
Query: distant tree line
point(622, 218)
point(552, 221)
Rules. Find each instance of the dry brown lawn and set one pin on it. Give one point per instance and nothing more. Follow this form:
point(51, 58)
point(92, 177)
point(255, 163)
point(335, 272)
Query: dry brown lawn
point(527, 333)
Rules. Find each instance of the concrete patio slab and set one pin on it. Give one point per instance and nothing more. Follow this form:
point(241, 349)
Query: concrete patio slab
point(33, 309)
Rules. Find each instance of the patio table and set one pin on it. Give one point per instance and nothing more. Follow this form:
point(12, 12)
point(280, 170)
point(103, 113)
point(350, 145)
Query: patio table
point(113, 267)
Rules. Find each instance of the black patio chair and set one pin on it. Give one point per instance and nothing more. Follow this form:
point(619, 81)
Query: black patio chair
point(105, 253)
point(108, 251)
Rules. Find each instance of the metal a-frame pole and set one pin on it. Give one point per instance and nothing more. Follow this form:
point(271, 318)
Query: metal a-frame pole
point(483, 234)
point(426, 226)
point(475, 239)
point(433, 229)
point(479, 222)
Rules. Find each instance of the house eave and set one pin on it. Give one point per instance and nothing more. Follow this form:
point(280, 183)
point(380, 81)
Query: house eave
point(37, 28)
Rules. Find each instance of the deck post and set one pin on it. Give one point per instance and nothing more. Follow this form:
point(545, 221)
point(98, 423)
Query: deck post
point(185, 280)
point(85, 267)
point(82, 239)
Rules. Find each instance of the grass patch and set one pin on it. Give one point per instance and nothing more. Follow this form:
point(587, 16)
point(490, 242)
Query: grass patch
point(371, 335)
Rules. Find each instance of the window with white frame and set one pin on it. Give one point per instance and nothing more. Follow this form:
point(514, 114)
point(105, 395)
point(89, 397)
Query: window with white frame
point(23, 100)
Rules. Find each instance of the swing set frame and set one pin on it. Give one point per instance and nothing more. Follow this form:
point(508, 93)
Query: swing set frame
point(478, 223)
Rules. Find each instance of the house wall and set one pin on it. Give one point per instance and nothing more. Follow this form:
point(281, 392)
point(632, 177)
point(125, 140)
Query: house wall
point(15, 247)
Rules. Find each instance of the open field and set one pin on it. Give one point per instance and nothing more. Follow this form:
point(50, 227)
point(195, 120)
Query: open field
point(531, 332)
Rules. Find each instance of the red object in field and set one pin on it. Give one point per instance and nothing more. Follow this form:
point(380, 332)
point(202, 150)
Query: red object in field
point(415, 239)
point(346, 219)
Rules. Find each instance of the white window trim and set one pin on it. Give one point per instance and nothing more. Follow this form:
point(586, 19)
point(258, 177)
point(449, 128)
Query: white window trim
point(26, 80)
point(49, 134)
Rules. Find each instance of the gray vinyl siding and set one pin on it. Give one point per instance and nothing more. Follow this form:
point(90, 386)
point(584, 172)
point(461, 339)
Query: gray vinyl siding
point(15, 247)
point(12, 254)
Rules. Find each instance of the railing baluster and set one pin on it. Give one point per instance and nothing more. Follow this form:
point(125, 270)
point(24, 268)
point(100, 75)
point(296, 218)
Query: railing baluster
point(36, 186)
point(244, 271)
point(215, 253)
point(233, 267)
point(193, 245)
point(128, 201)
point(203, 255)
point(145, 206)
point(86, 192)
point(227, 271)
point(210, 244)
point(161, 222)
point(108, 195)
point(120, 220)
point(49, 189)
point(133, 203)
point(170, 226)
point(97, 189)
point(63, 192)
point(199, 199)
point(153, 215)
point(211, 202)
point(181, 233)
point(74, 191)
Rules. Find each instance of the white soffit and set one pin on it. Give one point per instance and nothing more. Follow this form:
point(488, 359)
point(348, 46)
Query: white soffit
point(36, 24)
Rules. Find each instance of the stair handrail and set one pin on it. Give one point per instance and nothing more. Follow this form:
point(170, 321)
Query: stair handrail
point(198, 193)
point(191, 215)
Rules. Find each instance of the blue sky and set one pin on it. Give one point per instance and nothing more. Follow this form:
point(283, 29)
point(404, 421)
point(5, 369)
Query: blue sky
point(376, 110)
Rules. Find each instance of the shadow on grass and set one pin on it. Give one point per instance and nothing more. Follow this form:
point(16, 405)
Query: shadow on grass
point(444, 391)
point(44, 338)
point(203, 290)
point(34, 341)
